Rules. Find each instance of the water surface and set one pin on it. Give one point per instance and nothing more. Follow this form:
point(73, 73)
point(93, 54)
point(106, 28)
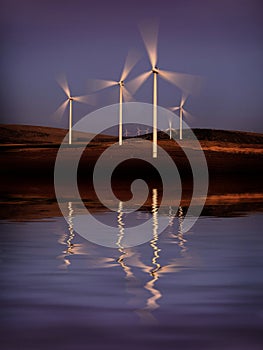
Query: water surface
point(200, 290)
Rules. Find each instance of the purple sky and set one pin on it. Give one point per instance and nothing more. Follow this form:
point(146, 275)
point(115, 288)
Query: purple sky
point(220, 40)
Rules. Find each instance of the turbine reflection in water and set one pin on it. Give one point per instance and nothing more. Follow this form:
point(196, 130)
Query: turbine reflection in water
point(80, 248)
point(67, 239)
point(120, 260)
point(180, 235)
point(144, 296)
point(151, 303)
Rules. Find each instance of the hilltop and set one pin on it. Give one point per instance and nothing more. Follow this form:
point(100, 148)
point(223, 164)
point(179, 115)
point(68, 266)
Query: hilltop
point(33, 150)
point(39, 135)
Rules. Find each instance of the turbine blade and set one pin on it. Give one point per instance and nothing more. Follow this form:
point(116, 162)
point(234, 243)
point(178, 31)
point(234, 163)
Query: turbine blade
point(190, 84)
point(97, 84)
point(62, 81)
point(188, 116)
point(132, 58)
point(134, 84)
point(88, 99)
point(183, 99)
point(57, 115)
point(149, 33)
point(174, 108)
point(127, 96)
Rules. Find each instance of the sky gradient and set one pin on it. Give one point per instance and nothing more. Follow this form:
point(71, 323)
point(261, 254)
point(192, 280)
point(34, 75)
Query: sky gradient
point(219, 40)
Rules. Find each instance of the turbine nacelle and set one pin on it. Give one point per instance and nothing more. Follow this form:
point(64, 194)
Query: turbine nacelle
point(70, 98)
point(155, 70)
point(121, 83)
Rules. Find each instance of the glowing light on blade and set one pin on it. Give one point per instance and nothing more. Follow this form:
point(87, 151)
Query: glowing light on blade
point(127, 96)
point(189, 117)
point(62, 81)
point(149, 33)
point(97, 85)
point(135, 84)
point(190, 84)
point(57, 115)
point(174, 108)
point(131, 60)
point(183, 100)
point(90, 100)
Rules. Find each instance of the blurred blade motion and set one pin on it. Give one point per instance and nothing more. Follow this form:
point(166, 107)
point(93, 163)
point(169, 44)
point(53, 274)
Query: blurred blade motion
point(149, 33)
point(88, 99)
point(127, 96)
point(188, 116)
point(58, 114)
point(132, 58)
point(134, 84)
point(183, 99)
point(97, 84)
point(174, 108)
point(189, 84)
point(62, 81)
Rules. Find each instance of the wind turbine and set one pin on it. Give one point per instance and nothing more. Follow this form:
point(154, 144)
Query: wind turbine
point(139, 131)
point(127, 133)
point(124, 94)
point(182, 112)
point(170, 129)
point(186, 82)
point(61, 109)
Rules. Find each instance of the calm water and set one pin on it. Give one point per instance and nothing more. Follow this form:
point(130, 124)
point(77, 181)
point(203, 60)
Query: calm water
point(200, 290)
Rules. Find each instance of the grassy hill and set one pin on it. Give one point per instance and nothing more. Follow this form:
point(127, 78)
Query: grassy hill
point(29, 134)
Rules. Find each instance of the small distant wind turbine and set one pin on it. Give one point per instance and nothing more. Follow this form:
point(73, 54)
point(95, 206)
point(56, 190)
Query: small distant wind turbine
point(182, 112)
point(186, 82)
point(61, 109)
point(130, 62)
point(127, 133)
point(139, 131)
point(170, 129)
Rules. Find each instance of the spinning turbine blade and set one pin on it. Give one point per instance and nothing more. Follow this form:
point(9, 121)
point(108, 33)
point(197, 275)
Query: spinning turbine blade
point(131, 60)
point(127, 96)
point(190, 84)
point(183, 99)
point(149, 33)
point(62, 81)
point(97, 84)
point(188, 116)
point(134, 85)
point(174, 108)
point(57, 115)
point(90, 100)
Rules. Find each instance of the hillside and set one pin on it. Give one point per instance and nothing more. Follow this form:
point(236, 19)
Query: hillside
point(31, 134)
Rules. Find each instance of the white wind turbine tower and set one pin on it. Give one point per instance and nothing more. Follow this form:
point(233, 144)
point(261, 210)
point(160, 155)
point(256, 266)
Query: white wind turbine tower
point(170, 129)
point(182, 113)
point(127, 133)
point(124, 94)
point(186, 82)
point(61, 109)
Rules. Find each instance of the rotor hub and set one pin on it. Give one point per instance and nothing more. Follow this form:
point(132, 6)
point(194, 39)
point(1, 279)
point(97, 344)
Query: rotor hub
point(155, 70)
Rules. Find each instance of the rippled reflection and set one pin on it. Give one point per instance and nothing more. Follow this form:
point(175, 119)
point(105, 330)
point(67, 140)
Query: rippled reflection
point(145, 314)
point(142, 288)
point(180, 236)
point(120, 260)
point(67, 239)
